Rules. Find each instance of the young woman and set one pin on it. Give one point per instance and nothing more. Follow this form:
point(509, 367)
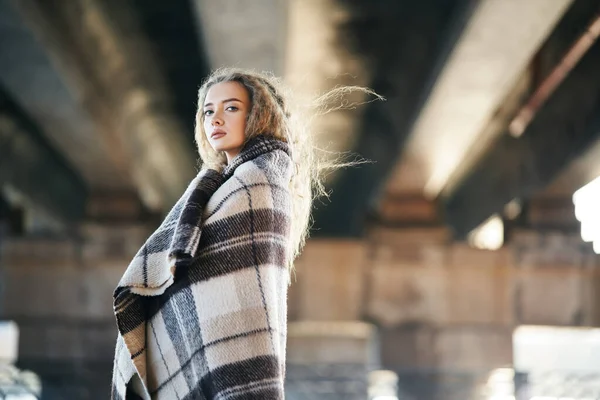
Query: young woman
point(201, 309)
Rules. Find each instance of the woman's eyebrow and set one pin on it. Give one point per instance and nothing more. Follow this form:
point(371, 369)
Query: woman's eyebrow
point(224, 101)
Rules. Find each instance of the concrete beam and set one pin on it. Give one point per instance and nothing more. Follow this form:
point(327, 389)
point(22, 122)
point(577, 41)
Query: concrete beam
point(518, 168)
point(30, 78)
point(243, 34)
point(403, 211)
point(404, 44)
point(110, 65)
point(552, 214)
point(486, 64)
point(172, 30)
point(30, 165)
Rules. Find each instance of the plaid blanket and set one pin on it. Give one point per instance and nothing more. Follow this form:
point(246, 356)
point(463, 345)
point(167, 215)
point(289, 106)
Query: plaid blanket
point(201, 309)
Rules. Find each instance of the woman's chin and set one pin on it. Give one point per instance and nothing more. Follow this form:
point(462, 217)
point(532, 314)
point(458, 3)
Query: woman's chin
point(219, 147)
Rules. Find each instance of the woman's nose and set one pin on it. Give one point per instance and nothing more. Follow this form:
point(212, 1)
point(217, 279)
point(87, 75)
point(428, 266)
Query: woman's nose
point(216, 121)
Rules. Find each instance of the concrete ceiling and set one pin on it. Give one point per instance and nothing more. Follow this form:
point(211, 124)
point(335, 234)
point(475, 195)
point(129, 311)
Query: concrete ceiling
point(493, 52)
point(249, 34)
point(112, 85)
point(317, 60)
point(103, 95)
point(565, 127)
point(29, 76)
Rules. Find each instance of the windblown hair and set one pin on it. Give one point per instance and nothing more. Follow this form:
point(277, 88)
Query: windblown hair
point(273, 113)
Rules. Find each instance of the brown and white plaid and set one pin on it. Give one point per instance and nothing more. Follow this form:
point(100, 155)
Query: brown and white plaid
point(201, 309)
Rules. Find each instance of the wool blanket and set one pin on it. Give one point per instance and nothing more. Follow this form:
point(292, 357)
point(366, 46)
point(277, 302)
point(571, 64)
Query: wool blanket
point(201, 309)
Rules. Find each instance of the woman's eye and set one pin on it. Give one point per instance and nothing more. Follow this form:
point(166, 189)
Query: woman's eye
point(208, 112)
point(232, 108)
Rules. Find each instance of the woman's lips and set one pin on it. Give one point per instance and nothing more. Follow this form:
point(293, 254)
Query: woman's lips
point(217, 135)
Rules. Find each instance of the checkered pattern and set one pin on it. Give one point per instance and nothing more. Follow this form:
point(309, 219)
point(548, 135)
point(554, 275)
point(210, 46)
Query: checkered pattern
point(201, 309)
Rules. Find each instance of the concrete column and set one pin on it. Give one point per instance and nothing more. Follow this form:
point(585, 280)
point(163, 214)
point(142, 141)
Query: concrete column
point(330, 359)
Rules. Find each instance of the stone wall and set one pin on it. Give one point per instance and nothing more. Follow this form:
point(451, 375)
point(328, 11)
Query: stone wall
point(435, 306)
point(444, 308)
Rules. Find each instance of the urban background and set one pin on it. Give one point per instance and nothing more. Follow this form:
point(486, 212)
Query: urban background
point(460, 264)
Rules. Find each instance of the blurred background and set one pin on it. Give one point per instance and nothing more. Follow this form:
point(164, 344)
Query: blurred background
point(461, 264)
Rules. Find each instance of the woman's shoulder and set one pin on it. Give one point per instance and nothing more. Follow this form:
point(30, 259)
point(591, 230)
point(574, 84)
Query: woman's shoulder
point(275, 166)
point(264, 179)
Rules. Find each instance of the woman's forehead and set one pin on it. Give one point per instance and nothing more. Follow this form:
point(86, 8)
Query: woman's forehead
point(226, 90)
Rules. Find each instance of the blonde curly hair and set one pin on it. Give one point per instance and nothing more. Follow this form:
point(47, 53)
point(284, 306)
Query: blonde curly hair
point(278, 116)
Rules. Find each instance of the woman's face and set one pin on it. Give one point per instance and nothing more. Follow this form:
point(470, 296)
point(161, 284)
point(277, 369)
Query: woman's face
point(226, 108)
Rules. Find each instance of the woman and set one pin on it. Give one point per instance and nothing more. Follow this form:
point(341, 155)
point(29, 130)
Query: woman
point(201, 309)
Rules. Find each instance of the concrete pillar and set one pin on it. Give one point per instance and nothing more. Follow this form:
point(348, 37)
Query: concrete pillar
point(330, 350)
point(330, 359)
point(328, 281)
point(59, 292)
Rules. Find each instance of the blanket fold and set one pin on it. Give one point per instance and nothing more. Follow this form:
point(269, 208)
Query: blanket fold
point(201, 308)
